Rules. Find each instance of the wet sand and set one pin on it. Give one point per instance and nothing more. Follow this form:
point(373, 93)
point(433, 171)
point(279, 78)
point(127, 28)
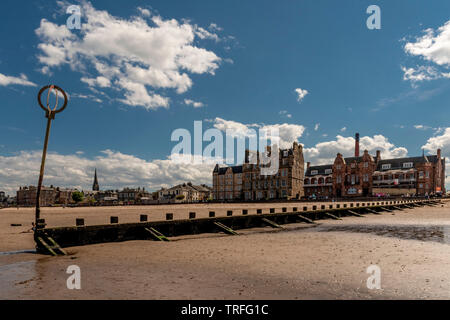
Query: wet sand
point(327, 261)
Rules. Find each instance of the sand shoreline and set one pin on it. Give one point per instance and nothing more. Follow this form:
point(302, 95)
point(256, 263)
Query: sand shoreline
point(328, 261)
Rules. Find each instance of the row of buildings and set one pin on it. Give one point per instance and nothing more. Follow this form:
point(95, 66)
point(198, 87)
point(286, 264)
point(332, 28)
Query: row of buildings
point(245, 182)
point(186, 192)
point(358, 176)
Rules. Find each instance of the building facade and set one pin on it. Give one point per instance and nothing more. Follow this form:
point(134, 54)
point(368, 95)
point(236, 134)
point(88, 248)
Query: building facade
point(133, 195)
point(186, 192)
point(26, 196)
point(368, 175)
point(245, 182)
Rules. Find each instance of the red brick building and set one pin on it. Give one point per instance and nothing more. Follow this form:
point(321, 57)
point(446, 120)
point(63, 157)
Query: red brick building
point(369, 175)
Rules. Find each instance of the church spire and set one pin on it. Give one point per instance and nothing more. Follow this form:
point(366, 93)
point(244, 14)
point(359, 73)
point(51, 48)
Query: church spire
point(95, 187)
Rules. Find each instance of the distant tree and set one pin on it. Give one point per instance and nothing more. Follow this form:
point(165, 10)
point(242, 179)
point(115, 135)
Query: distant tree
point(77, 196)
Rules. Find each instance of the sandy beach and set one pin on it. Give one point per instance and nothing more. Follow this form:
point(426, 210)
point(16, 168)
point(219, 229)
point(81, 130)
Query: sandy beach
point(324, 261)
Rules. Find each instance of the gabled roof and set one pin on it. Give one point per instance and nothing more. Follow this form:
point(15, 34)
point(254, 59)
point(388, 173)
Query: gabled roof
point(320, 169)
point(398, 163)
point(223, 170)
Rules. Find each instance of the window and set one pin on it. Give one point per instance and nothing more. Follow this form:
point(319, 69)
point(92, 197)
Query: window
point(386, 166)
point(352, 191)
point(420, 185)
point(338, 179)
point(353, 165)
point(427, 174)
point(283, 183)
point(408, 165)
point(366, 164)
point(314, 172)
point(338, 167)
point(420, 174)
point(328, 171)
point(366, 178)
point(285, 153)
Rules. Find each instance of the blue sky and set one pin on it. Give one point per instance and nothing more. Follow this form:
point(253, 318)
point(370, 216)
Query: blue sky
point(242, 66)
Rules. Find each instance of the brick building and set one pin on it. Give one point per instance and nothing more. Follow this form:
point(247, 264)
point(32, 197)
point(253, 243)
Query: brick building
point(26, 196)
point(369, 175)
point(245, 182)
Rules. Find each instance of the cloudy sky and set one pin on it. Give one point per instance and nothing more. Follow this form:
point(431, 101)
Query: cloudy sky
point(138, 70)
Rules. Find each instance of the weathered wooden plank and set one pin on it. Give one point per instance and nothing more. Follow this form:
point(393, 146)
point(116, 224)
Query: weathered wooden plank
point(46, 246)
point(56, 246)
point(226, 229)
point(158, 236)
point(271, 223)
point(332, 216)
point(355, 213)
point(373, 211)
point(305, 219)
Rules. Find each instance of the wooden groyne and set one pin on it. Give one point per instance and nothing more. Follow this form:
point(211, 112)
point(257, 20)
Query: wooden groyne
point(52, 240)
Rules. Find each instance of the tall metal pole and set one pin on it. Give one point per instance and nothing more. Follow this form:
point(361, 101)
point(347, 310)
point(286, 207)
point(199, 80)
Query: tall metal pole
point(50, 115)
point(41, 173)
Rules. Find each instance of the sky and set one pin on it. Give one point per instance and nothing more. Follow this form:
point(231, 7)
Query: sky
point(135, 71)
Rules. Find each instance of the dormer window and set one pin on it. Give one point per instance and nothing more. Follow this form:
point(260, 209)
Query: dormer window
point(386, 166)
point(353, 165)
point(314, 172)
point(408, 165)
point(328, 171)
point(285, 153)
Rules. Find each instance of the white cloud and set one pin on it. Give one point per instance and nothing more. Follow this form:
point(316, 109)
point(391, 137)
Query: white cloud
point(139, 56)
point(285, 113)
point(144, 12)
point(325, 152)
point(22, 80)
point(301, 93)
point(343, 129)
point(193, 103)
point(441, 142)
point(433, 47)
point(288, 133)
point(100, 81)
point(77, 170)
point(316, 127)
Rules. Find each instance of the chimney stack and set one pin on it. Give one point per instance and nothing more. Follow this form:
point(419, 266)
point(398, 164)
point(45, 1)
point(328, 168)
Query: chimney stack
point(378, 155)
point(357, 145)
point(439, 153)
point(308, 164)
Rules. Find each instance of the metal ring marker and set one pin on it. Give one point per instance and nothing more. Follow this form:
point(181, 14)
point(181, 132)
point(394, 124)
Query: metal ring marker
point(50, 89)
point(50, 115)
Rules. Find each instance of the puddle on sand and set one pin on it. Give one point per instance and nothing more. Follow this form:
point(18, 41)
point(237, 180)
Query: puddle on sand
point(439, 234)
point(7, 253)
point(14, 276)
